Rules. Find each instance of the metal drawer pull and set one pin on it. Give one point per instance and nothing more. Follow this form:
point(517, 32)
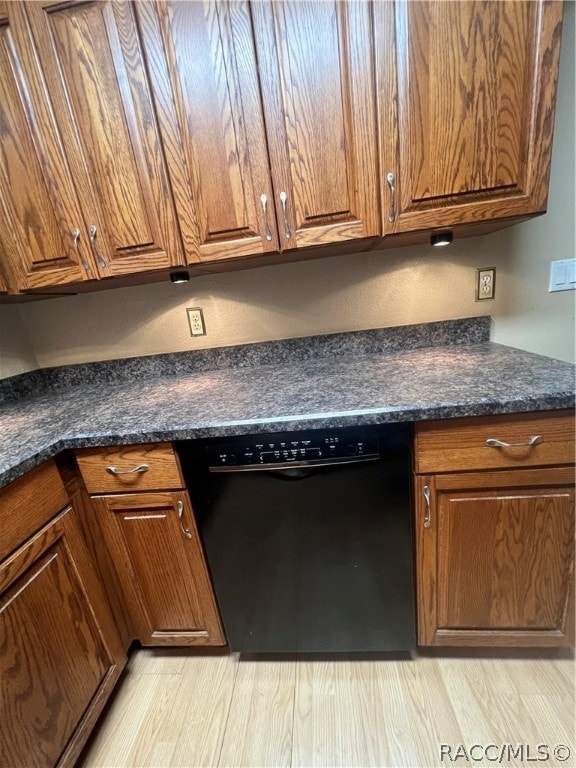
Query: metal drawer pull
point(92, 231)
point(139, 469)
point(392, 211)
point(75, 239)
point(283, 198)
point(264, 201)
point(185, 531)
point(499, 444)
point(428, 515)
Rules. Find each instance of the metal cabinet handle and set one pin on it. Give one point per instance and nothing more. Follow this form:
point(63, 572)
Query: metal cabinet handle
point(185, 531)
point(283, 198)
point(392, 211)
point(264, 201)
point(93, 231)
point(75, 239)
point(493, 443)
point(428, 515)
point(139, 469)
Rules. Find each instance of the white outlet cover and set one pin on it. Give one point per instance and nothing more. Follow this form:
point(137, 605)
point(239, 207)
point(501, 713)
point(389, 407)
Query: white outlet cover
point(562, 275)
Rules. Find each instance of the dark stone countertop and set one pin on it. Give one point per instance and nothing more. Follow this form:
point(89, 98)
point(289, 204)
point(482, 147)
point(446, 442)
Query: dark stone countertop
point(441, 370)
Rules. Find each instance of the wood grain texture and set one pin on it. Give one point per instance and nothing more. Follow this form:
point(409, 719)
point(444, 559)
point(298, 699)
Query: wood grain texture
point(37, 195)
point(315, 62)
point(263, 701)
point(496, 566)
point(204, 77)
point(387, 713)
point(167, 718)
point(163, 468)
point(96, 546)
point(97, 82)
point(53, 656)
point(460, 444)
point(28, 503)
point(475, 110)
point(161, 573)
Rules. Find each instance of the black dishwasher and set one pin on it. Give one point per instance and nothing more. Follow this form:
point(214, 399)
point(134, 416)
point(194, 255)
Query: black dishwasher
point(308, 537)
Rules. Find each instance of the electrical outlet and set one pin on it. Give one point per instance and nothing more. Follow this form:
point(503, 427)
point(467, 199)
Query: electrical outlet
point(196, 321)
point(485, 283)
point(562, 275)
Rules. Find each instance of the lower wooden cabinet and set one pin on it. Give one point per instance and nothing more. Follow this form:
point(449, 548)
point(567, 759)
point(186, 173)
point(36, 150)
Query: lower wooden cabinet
point(59, 655)
point(495, 557)
point(160, 565)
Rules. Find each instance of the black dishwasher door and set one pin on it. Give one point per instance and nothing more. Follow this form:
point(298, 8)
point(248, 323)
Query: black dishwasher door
point(315, 559)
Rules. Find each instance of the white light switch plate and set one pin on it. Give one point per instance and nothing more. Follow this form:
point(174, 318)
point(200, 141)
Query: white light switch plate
point(562, 275)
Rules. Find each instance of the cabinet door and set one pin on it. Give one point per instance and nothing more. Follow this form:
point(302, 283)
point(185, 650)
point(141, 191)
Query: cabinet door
point(56, 665)
point(161, 568)
point(495, 565)
point(317, 76)
point(204, 77)
point(476, 89)
point(40, 239)
point(91, 58)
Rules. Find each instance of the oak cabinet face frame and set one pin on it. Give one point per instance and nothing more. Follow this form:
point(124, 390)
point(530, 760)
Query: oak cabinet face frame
point(466, 112)
point(161, 571)
point(495, 545)
point(58, 663)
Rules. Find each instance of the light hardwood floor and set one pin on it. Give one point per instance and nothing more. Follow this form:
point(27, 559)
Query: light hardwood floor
point(178, 708)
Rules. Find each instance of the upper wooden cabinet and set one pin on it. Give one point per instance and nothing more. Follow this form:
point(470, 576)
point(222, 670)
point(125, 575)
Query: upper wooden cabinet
point(40, 240)
point(78, 99)
point(316, 63)
point(466, 107)
point(268, 118)
point(204, 76)
point(142, 136)
point(91, 58)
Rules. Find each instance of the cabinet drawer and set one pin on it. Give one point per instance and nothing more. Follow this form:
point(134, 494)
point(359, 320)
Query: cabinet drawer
point(28, 503)
point(461, 444)
point(129, 468)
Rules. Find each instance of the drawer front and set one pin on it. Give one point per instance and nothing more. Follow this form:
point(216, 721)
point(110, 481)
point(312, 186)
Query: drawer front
point(461, 444)
point(129, 468)
point(28, 503)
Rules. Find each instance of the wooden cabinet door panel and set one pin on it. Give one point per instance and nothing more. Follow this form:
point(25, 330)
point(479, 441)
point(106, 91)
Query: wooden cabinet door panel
point(506, 558)
point(37, 195)
point(316, 67)
point(204, 76)
point(97, 81)
point(476, 94)
point(161, 568)
point(53, 658)
point(496, 564)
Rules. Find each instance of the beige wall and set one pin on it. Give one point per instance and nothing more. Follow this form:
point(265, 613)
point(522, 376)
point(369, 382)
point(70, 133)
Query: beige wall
point(395, 287)
point(16, 352)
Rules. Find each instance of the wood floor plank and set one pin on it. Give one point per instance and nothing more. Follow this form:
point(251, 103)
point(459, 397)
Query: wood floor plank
point(428, 711)
point(259, 728)
point(203, 701)
point(132, 733)
point(219, 711)
point(158, 661)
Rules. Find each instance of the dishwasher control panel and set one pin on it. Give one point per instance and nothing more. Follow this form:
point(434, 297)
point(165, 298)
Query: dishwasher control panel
point(312, 447)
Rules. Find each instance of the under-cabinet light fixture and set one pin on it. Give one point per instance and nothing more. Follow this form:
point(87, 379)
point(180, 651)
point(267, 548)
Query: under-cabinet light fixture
point(179, 277)
point(441, 238)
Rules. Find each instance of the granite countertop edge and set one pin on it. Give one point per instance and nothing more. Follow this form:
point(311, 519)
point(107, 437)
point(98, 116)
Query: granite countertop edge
point(350, 380)
point(558, 401)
